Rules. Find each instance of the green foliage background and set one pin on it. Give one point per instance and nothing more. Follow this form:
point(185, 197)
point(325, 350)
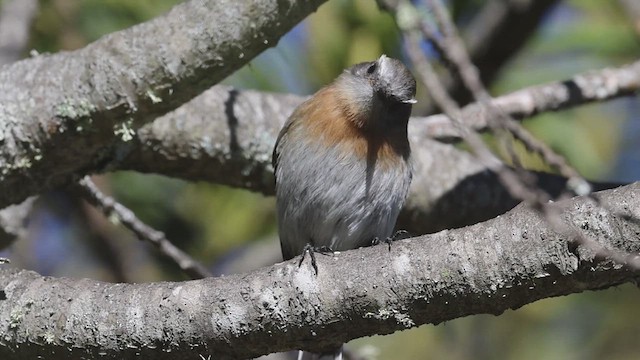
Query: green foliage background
point(209, 221)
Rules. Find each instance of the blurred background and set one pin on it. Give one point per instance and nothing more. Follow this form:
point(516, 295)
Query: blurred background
point(223, 227)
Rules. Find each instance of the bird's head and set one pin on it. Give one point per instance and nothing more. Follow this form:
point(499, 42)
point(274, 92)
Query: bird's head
point(377, 93)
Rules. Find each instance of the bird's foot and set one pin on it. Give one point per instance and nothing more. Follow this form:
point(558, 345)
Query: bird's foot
point(324, 250)
point(398, 235)
point(376, 241)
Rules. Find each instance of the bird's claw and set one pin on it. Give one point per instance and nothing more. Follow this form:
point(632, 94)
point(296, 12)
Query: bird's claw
point(398, 235)
point(311, 251)
point(376, 241)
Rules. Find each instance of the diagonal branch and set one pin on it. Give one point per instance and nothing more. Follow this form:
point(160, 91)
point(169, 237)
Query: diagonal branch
point(454, 50)
point(90, 192)
point(497, 33)
point(102, 93)
point(226, 136)
point(490, 267)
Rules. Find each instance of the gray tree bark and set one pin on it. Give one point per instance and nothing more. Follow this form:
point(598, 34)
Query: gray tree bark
point(104, 92)
point(106, 100)
point(490, 267)
point(225, 135)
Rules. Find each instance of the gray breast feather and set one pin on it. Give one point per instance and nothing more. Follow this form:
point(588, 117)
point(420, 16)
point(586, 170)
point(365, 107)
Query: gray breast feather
point(325, 199)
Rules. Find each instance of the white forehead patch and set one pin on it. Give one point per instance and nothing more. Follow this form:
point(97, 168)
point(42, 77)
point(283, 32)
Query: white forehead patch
point(386, 69)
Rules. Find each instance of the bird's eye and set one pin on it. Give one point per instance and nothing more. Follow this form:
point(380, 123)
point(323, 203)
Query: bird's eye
point(371, 68)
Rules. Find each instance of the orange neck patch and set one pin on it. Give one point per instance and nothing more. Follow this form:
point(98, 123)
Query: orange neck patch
point(329, 119)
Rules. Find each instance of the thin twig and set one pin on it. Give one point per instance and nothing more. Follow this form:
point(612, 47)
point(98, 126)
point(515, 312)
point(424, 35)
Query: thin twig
point(518, 187)
point(455, 51)
point(496, 31)
point(426, 72)
point(144, 232)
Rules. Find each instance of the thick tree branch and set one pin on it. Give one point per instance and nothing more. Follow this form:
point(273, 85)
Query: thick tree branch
point(105, 91)
point(227, 135)
point(15, 21)
point(224, 135)
point(490, 267)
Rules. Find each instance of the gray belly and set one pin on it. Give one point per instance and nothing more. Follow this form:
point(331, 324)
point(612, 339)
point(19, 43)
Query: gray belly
point(329, 198)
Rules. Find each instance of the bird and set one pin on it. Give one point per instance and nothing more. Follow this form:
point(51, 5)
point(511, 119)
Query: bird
point(342, 164)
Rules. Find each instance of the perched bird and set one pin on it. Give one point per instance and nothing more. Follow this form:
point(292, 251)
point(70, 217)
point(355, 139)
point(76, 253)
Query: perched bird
point(342, 163)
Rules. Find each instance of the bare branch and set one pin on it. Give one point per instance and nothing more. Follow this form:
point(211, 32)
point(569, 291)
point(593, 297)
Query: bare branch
point(518, 186)
point(429, 77)
point(144, 232)
point(454, 50)
point(598, 85)
point(227, 136)
point(224, 135)
point(486, 268)
point(498, 32)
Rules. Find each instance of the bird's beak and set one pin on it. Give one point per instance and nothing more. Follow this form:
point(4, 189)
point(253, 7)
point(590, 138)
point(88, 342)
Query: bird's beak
point(410, 101)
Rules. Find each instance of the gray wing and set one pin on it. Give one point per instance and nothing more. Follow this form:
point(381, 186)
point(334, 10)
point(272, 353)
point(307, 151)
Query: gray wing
point(275, 157)
point(276, 149)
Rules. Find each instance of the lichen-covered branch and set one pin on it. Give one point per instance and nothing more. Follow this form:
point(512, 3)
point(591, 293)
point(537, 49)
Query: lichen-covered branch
point(61, 113)
point(490, 267)
point(227, 135)
point(224, 135)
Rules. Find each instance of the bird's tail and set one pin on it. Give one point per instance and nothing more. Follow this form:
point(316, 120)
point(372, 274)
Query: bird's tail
point(334, 355)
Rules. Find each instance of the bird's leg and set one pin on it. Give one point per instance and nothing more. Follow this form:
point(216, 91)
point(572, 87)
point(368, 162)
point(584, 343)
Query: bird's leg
point(324, 250)
point(376, 241)
point(398, 235)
